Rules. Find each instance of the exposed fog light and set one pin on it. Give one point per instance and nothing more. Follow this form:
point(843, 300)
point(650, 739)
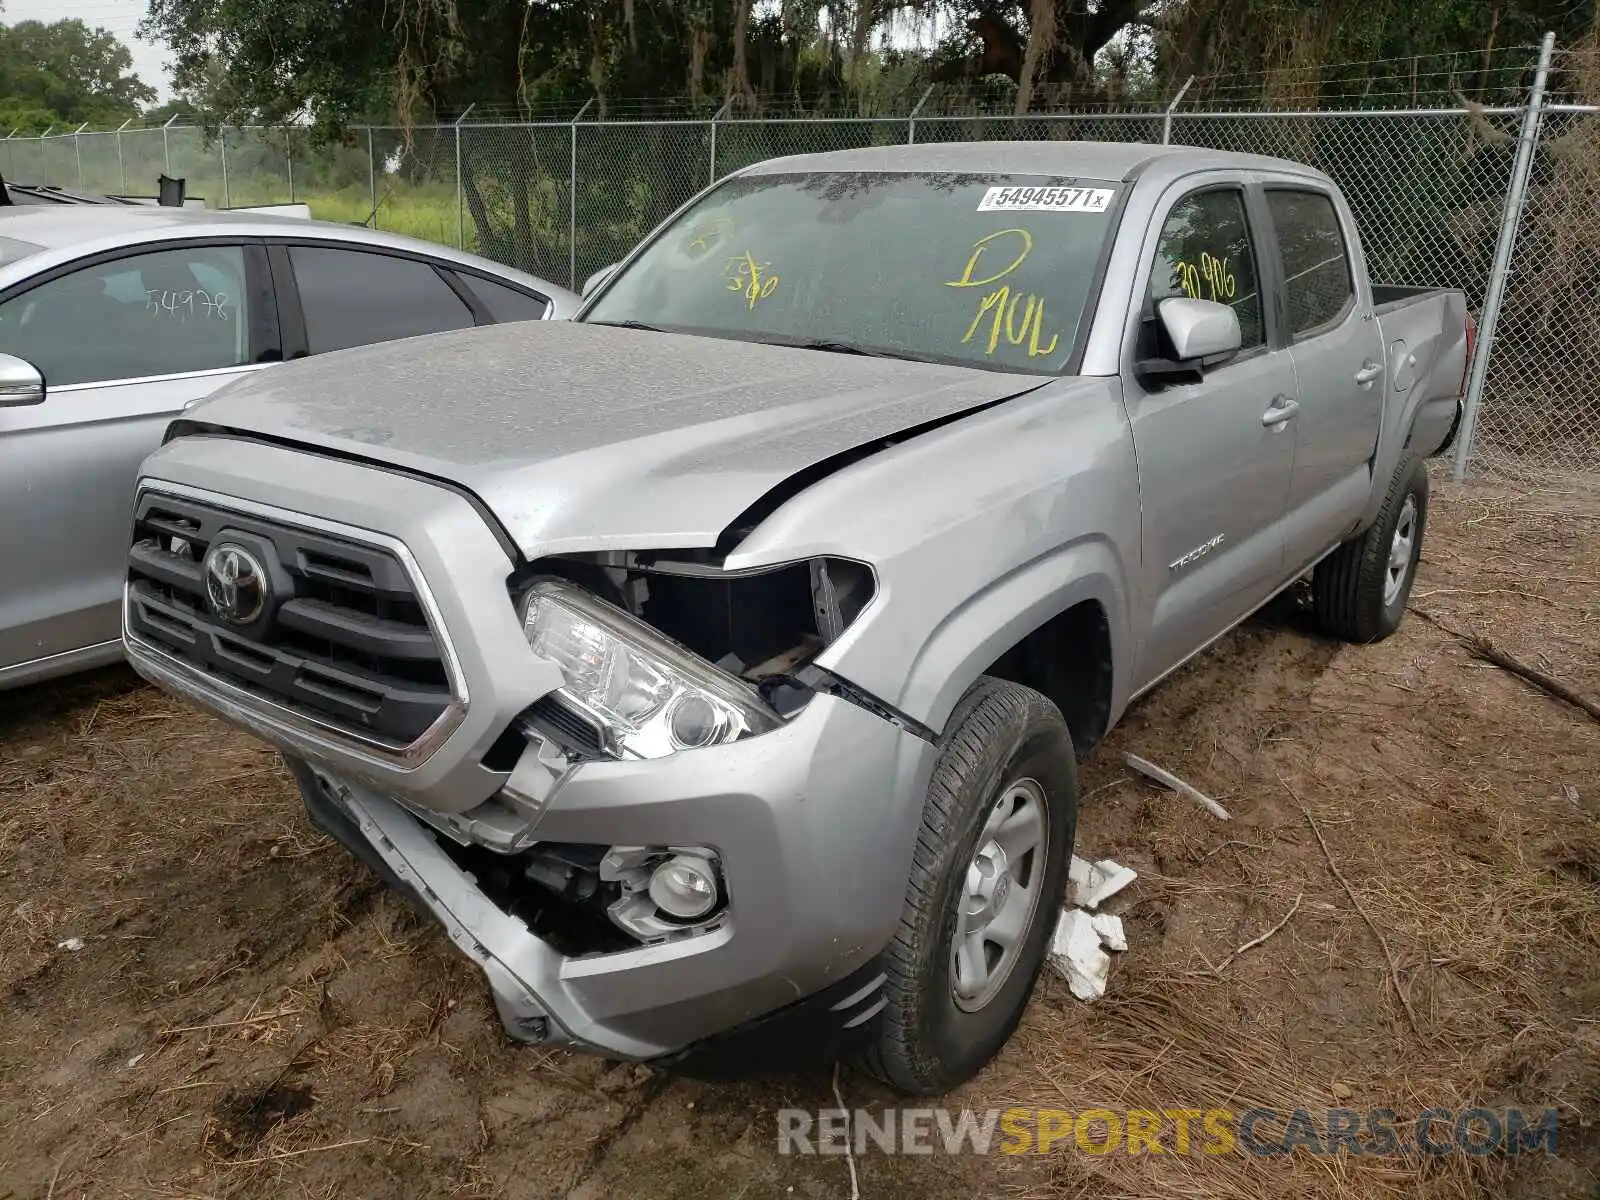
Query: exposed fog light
point(695, 722)
point(664, 892)
point(684, 887)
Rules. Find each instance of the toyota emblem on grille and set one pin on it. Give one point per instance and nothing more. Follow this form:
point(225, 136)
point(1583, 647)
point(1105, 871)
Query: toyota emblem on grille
point(236, 583)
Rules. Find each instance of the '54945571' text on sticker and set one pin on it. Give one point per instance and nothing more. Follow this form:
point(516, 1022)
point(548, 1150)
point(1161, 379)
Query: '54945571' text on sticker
point(1046, 199)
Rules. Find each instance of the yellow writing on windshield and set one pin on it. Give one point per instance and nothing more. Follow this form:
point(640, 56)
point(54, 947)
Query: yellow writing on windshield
point(1018, 316)
point(1004, 305)
point(752, 280)
point(1021, 242)
point(707, 235)
point(1212, 272)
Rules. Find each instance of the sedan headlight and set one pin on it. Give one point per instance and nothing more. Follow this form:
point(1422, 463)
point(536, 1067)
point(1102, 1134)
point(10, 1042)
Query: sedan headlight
point(650, 696)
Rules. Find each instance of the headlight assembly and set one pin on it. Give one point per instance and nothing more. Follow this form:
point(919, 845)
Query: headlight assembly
point(650, 696)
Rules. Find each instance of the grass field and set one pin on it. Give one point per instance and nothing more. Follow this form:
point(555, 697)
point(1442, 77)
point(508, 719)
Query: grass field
point(427, 213)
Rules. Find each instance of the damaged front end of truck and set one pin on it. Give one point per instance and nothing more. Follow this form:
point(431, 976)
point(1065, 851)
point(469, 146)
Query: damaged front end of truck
point(626, 782)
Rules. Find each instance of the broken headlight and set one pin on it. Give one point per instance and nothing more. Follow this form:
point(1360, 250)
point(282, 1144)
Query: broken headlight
point(649, 695)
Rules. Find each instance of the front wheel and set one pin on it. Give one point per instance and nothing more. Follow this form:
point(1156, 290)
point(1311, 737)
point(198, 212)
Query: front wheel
point(987, 878)
point(1359, 592)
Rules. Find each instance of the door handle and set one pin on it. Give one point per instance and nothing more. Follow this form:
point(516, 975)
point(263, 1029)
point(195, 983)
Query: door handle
point(1369, 371)
point(1281, 413)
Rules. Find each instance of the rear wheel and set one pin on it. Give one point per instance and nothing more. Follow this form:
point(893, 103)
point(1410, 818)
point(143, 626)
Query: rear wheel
point(1359, 592)
point(987, 877)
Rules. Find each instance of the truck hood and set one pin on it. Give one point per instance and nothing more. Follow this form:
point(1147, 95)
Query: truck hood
point(592, 437)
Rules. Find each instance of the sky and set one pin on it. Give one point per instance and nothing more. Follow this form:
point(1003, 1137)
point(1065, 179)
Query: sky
point(150, 61)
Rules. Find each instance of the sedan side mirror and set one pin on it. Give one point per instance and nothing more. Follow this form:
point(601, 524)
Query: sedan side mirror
point(599, 277)
point(21, 383)
point(1202, 334)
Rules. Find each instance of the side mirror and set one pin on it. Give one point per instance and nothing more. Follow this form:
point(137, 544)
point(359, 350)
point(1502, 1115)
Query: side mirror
point(1202, 334)
point(20, 382)
point(599, 277)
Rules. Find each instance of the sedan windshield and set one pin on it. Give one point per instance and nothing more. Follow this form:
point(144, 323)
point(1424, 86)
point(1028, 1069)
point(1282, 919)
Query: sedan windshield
point(987, 271)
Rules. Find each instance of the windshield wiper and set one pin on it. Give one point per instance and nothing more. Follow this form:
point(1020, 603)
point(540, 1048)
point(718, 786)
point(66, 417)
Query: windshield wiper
point(630, 325)
point(836, 347)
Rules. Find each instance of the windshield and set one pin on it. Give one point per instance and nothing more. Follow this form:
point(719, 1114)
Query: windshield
point(983, 270)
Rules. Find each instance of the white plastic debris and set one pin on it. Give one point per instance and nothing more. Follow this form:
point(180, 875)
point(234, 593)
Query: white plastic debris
point(1078, 950)
point(1109, 927)
point(1095, 883)
point(1075, 952)
point(72, 943)
point(1169, 780)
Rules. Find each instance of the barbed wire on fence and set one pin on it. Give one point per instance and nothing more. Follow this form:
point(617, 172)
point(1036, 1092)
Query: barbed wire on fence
point(1432, 187)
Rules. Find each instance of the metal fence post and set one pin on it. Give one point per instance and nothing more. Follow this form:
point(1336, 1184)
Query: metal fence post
point(222, 145)
point(1510, 221)
point(122, 171)
point(77, 150)
point(715, 117)
point(911, 121)
point(461, 223)
point(572, 199)
point(372, 178)
point(166, 149)
point(1166, 118)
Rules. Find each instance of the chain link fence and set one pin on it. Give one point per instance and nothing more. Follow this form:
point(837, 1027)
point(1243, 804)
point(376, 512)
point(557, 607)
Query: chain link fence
point(1441, 195)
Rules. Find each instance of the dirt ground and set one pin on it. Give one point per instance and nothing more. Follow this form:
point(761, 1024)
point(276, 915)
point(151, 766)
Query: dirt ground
point(251, 1015)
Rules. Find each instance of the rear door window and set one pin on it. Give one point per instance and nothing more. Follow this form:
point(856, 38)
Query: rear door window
point(165, 312)
point(1317, 284)
point(355, 298)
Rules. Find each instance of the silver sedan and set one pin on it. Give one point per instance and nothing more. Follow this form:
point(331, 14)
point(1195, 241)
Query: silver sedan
point(112, 320)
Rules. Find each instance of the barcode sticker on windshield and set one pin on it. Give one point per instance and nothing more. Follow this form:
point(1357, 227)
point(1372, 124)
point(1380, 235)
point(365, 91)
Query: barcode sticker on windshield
point(1046, 199)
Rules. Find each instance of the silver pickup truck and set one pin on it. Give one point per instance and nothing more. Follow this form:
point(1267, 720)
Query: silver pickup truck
point(713, 667)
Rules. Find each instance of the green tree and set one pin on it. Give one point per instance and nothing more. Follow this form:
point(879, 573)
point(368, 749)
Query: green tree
point(65, 73)
point(1084, 51)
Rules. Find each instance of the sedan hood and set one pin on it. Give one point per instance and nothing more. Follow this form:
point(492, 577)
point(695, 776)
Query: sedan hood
point(591, 437)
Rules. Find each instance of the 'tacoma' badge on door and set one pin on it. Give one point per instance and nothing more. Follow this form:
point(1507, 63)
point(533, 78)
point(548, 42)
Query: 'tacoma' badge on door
point(1195, 555)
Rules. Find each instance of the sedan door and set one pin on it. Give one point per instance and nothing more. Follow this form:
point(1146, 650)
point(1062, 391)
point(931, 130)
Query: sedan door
point(1215, 457)
point(123, 342)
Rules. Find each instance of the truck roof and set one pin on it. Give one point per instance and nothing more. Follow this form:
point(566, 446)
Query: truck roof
point(1091, 160)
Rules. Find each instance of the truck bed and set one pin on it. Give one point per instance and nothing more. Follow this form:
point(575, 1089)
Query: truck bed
point(1386, 297)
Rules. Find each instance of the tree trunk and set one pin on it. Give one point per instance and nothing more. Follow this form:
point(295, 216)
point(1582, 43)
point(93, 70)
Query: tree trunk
point(739, 76)
point(525, 245)
point(860, 34)
point(1041, 48)
point(492, 243)
point(699, 42)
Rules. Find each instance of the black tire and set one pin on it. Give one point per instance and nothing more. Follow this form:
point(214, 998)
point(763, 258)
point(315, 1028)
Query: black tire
point(1347, 588)
point(1000, 733)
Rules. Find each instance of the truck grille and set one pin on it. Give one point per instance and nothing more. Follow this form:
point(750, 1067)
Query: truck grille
point(339, 635)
